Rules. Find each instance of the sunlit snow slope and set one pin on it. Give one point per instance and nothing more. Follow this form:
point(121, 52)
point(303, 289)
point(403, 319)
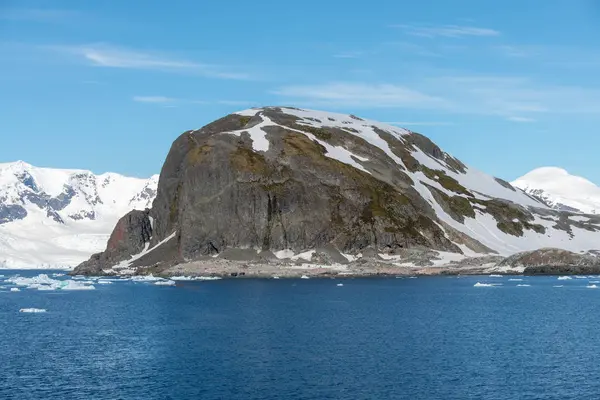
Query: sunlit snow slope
point(561, 190)
point(57, 218)
point(489, 218)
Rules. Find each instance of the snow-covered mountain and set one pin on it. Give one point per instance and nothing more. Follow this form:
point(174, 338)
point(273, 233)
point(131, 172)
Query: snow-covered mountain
point(561, 190)
point(57, 217)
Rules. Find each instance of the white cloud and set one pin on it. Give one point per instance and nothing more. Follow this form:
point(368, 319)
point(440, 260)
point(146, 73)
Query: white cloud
point(363, 95)
point(348, 54)
point(420, 123)
point(453, 31)
point(236, 102)
point(153, 99)
point(102, 55)
point(516, 99)
point(519, 51)
point(516, 96)
point(172, 101)
point(521, 119)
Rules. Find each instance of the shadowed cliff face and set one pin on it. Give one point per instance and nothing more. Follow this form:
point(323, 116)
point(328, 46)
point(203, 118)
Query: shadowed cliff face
point(130, 236)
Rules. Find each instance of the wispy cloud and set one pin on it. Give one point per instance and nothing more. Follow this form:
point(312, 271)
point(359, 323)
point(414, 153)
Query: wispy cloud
point(349, 54)
point(102, 55)
point(173, 101)
point(452, 31)
point(37, 14)
point(362, 95)
point(519, 51)
point(517, 99)
point(521, 119)
point(153, 99)
point(561, 56)
point(420, 123)
point(236, 102)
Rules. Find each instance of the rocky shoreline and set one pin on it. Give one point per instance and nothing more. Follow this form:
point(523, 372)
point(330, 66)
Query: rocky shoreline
point(410, 262)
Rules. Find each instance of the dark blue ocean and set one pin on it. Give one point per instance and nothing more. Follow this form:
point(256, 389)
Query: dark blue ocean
point(424, 338)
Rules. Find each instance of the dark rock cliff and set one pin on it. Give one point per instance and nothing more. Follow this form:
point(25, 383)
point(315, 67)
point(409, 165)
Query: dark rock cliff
point(129, 237)
point(215, 192)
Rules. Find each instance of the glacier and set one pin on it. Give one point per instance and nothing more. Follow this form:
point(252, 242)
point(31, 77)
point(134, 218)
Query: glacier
point(55, 218)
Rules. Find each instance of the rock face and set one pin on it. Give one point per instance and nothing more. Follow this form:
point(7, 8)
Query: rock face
point(284, 179)
point(550, 261)
point(130, 236)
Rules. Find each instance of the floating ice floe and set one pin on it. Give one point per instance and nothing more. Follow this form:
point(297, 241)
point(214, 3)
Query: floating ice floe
point(515, 279)
point(195, 278)
point(165, 283)
point(275, 277)
point(56, 275)
point(592, 287)
point(32, 310)
point(558, 286)
point(340, 284)
point(479, 284)
point(146, 278)
point(304, 277)
point(104, 282)
point(564, 278)
point(73, 285)
point(524, 285)
point(495, 276)
point(44, 282)
point(15, 289)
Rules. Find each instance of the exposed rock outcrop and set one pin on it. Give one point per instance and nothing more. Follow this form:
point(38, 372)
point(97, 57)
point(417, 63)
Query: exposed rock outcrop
point(551, 261)
point(130, 236)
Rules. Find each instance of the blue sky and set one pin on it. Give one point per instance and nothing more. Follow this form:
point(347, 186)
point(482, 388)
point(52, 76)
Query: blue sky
point(504, 86)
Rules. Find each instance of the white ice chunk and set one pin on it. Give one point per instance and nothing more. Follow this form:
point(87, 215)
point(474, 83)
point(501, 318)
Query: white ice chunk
point(165, 283)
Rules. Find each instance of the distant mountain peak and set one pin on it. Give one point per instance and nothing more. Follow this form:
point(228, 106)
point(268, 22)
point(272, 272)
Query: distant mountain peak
point(51, 211)
point(561, 190)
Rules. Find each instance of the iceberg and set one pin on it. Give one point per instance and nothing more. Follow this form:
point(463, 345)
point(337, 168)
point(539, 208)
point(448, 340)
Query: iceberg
point(32, 310)
point(44, 282)
point(479, 284)
point(195, 278)
point(145, 278)
point(74, 285)
point(165, 283)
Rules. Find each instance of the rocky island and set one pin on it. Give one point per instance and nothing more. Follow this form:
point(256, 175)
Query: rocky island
point(279, 191)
